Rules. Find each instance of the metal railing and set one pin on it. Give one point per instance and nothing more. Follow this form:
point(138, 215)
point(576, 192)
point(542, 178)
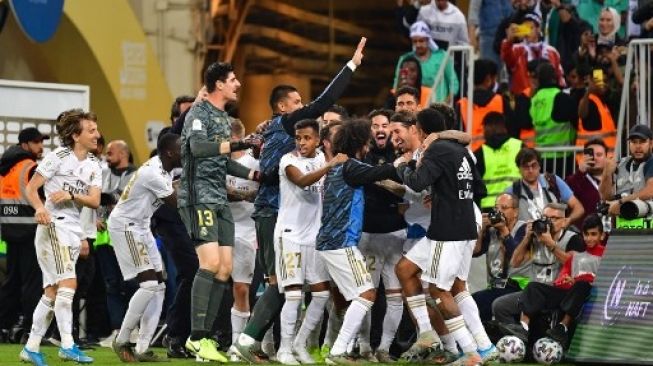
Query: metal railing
point(466, 76)
point(560, 164)
point(638, 71)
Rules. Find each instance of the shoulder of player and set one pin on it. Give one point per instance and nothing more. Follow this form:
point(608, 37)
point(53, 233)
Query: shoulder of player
point(61, 152)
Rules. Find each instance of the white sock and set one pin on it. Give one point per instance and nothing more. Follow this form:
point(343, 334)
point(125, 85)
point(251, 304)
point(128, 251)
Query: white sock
point(289, 319)
point(63, 309)
point(461, 334)
point(393, 313)
point(150, 319)
point(417, 306)
point(312, 318)
point(136, 308)
point(40, 323)
point(351, 324)
point(238, 322)
point(364, 334)
point(333, 325)
point(449, 343)
point(469, 309)
point(524, 324)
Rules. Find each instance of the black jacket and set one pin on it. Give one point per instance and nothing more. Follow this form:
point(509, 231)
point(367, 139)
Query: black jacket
point(448, 168)
point(381, 212)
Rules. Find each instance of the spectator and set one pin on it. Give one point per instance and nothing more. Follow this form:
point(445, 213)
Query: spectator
point(552, 113)
point(589, 11)
point(447, 23)
point(585, 55)
point(643, 16)
point(568, 35)
point(520, 8)
point(608, 27)
point(483, 19)
point(410, 77)
point(536, 190)
point(485, 101)
point(498, 240)
point(430, 57)
point(585, 182)
point(570, 289)
point(495, 159)
point(406, 13)
point(517, 55)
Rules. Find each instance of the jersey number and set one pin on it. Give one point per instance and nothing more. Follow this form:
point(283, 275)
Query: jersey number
point(205, 217)
point(293, 260)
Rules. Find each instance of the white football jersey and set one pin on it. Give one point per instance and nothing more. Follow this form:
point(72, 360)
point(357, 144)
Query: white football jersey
point(142, 195)
point(242, 210)
point(63, 171)
point(300, 209)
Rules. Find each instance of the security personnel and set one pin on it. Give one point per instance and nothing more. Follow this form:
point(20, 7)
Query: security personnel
point(595, 119)
point(495, 159)
point(485, 101)
point(552, 112)
point(22, 290)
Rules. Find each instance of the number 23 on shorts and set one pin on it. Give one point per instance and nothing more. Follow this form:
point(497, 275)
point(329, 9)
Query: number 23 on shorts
point(205, 217)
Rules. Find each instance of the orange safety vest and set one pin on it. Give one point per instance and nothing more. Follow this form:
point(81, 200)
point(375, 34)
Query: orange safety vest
point(13, 198)
point(478, 113)
point(608, 131)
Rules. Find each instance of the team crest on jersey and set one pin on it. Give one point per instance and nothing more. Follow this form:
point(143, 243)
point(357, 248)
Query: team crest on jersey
point(204, 231)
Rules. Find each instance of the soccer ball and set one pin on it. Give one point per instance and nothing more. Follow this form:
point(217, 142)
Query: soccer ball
point(511, 349)
point(547, 351)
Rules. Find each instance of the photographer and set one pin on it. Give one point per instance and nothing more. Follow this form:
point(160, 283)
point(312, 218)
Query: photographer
point(536, 190)
point(538, 257)
point(500, 233)
point(630, 178)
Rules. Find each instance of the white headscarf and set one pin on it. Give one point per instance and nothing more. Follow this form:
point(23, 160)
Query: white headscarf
point(421, 29)
point(609, 39)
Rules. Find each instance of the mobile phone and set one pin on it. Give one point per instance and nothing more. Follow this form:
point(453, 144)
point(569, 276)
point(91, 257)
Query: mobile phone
point(523, 30)
point(597, 74)
point(588, 151)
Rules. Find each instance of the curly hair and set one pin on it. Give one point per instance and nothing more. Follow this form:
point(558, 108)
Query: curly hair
point(69, 123)
point(352, 137)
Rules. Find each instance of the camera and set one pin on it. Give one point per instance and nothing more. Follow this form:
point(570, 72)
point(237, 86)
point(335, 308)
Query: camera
point(495, 216)
point(542, 225)
point(602, 208)
point(636, 209)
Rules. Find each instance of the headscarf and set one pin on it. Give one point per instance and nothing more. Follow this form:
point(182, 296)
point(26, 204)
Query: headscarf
point(610, 38)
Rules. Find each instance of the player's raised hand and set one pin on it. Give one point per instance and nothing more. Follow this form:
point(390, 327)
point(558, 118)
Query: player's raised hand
point(358, 55)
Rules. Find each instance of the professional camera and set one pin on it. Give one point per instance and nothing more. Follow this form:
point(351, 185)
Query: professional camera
point(542, 225)
point(636, 209)
point(495, 216)
point(602, 208)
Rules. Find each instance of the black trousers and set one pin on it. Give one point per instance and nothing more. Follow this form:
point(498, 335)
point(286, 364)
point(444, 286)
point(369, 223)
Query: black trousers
point(485, 298)
point(182, 251)
point(538, 297)
point(24, 285)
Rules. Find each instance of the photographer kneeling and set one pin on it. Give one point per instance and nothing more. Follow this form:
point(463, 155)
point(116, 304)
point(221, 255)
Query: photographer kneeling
point(630, 179)
point(501, 232)
point(537, 258)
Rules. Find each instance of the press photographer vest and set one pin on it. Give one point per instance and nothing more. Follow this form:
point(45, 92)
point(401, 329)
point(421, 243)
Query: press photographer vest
point(629, 180)
point(545, 264)
point(528, 208)
point(496, 262)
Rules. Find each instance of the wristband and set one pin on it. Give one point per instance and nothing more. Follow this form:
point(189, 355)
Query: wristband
point(239, 145)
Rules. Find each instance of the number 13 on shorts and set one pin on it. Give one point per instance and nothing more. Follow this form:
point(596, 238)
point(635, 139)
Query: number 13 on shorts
point(205, 217)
